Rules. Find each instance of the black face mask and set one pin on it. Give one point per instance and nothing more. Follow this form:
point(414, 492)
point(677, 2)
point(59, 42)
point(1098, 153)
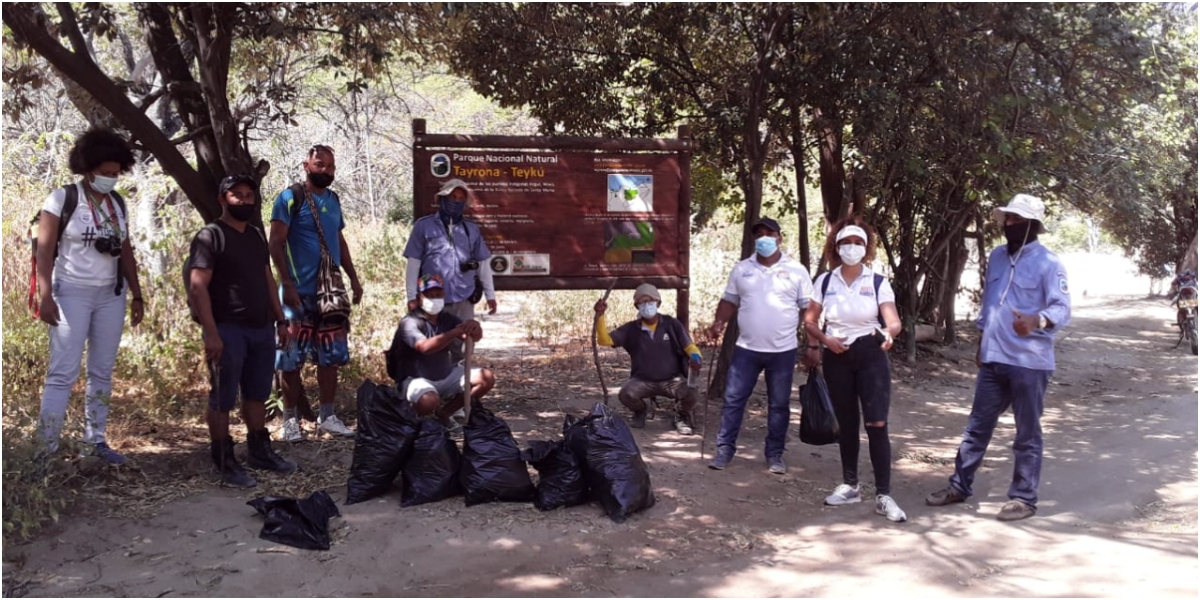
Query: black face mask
point(242, 212)
point(320, 180)
point(1019, 234)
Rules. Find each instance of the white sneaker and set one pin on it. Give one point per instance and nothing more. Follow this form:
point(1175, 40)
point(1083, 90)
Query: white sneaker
point(843, 494)
point(334, 426)
point(291, 431)
point(884, 505)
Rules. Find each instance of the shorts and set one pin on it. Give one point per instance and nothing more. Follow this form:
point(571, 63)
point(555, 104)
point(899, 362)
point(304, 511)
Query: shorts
point(245, 365)
point(309, 341)
point(451, 386)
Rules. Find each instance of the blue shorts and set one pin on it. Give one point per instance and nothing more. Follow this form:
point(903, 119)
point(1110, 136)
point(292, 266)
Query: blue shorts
point(310, 341)
point(245, 365)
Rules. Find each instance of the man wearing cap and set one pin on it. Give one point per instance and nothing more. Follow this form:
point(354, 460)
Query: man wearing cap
point(1025, 303)
point(297, 243)
point(660, 354)
point(768, 292)
point(419, 358)
point(450, 245)
point(230, 289)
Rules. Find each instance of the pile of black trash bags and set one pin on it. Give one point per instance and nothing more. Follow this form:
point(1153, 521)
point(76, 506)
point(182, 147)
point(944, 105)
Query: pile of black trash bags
point(597, 459)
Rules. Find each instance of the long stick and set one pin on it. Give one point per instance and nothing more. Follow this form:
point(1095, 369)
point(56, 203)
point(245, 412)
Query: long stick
point(704, 419)
point(595, 348)
point(468, 348)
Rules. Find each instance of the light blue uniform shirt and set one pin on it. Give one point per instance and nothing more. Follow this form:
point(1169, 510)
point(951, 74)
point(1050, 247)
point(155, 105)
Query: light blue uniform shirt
point(430, 243)
point(303, 245)
point(1039, 286)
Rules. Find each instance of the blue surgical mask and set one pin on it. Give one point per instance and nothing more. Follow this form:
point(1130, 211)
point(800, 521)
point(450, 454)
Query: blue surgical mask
point(103, 184)
point(648, 310)
point(766, 246)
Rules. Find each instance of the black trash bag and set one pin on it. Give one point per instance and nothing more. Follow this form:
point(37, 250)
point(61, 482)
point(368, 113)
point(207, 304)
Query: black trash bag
point(818, 424)
point(613, 465)
point(561, 481)
point(431, 473)
point(492, 468)
point(383, 442)
point(297, 523)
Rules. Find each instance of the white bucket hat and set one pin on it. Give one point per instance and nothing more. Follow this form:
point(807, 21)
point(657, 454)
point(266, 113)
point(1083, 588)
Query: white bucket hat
point(1023, 205)
point(457, 183)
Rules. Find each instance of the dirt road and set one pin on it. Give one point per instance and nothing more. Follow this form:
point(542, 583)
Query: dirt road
point(1117, 516)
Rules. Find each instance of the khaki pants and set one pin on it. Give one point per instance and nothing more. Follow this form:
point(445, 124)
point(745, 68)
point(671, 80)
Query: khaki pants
point(634, 393)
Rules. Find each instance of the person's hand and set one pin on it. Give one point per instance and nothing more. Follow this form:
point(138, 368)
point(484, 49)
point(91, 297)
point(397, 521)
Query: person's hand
point(836, 345)
point(1024, 324)
point(888, 341)
point(137, 311)
point(356, 289)
point(290, 296)
point(714, 331)
point(48, 310)
point(600, 307)
point(811, 358)
point(412, 305)
point(213, 346)
point(694, 362)
point(283, 334)
point(473, 329)
point(491, 306)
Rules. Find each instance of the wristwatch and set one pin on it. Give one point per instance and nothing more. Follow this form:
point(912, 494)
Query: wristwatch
point(1042, 322)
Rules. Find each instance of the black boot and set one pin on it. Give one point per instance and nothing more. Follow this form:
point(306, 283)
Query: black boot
point(262, 456)
point(227, 465)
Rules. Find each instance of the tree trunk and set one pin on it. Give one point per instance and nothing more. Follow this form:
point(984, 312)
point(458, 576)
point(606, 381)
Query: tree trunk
point(796, 146)
point(830, 167)
point(958, 262)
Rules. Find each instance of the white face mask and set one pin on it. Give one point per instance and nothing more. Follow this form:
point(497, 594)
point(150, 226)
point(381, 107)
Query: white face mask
point(432, 306)
point(851, 254)
point(103, 184)
point(647, 310)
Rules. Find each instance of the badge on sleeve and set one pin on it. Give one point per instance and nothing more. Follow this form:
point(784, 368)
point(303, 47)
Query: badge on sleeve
point(1062, 282)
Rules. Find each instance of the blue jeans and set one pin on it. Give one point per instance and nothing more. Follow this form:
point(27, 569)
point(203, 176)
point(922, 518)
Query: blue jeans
point(743, 374)
point(998, 387)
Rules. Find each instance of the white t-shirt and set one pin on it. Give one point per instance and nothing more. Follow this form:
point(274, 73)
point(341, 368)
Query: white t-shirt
point(851, 309)
point(770, 301)
point(78, 262)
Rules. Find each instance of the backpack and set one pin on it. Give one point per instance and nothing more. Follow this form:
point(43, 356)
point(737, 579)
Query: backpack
point(878, 282)
point(70, 203)
point(218, 236)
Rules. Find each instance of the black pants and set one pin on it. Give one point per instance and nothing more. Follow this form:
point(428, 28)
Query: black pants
point(862, 376)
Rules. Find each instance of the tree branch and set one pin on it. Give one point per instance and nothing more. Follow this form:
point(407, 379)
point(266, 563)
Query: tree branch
point(71, 26)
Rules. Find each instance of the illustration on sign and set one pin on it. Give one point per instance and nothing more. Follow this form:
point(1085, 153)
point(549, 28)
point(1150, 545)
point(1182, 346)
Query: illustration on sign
point(630, 193)
point(629, 242)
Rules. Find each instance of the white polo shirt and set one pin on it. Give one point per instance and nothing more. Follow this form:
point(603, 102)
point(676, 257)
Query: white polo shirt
point(770, 301)
point(851, 309)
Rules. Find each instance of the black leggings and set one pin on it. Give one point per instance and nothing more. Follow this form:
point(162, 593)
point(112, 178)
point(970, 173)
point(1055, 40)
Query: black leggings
point(862, 374)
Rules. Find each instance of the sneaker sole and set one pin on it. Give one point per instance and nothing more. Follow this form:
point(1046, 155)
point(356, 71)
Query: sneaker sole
point(843, 502)
point(902, 518)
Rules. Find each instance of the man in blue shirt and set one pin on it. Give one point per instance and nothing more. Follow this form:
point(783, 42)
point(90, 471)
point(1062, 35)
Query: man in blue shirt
point(448, 244)
point(296, 251)
point(1025, 302)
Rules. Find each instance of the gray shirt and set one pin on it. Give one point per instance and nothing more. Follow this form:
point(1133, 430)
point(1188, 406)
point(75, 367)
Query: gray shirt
point(403, 358)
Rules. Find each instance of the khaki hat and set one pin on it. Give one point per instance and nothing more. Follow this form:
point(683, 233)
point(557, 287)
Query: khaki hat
point(457, 183)
point(1023, 205)
point(646, 290)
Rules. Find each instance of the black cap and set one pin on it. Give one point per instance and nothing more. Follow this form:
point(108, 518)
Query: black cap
point(232, 180)
point(769, 223)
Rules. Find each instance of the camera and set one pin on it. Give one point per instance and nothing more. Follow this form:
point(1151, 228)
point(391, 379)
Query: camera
point(468, 265)
point(109, 244)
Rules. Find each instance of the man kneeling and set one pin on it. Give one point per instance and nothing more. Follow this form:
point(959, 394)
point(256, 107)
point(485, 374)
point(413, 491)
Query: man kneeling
point(660, 354)
point(419, 359)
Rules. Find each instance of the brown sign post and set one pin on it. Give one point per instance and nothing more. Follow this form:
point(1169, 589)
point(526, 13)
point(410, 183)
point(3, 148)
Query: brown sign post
point(564, 213)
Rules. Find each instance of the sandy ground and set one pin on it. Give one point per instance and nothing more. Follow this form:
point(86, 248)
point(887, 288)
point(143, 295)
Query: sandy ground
point(1117, 515)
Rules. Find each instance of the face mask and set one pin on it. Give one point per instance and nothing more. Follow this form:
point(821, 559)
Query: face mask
point(103, 184)
point(647, 310)
point(766, 246)
point(432, 306)
point(242, 212)
point(452, 208)
point(320, 180)
point(1019, 234)
point(851, 254)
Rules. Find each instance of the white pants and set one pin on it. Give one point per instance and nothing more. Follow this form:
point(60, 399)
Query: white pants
point(91, 316)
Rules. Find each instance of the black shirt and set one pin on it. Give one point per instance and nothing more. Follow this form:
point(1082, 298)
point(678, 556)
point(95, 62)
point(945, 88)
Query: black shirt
point(238, 288)
point(658, 357)
point(405, 361)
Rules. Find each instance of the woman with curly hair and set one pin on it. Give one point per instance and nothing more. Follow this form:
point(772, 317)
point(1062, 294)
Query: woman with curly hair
point(85, 268)
point(860, 320)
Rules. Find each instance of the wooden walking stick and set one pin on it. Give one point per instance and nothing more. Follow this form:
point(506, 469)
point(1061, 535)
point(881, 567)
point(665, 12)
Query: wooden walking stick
point(468, 348)
point(707, 390)
point(595, 348)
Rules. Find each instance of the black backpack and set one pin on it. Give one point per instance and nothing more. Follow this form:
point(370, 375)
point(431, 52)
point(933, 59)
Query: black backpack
point(70, 203)
point(218, 236)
